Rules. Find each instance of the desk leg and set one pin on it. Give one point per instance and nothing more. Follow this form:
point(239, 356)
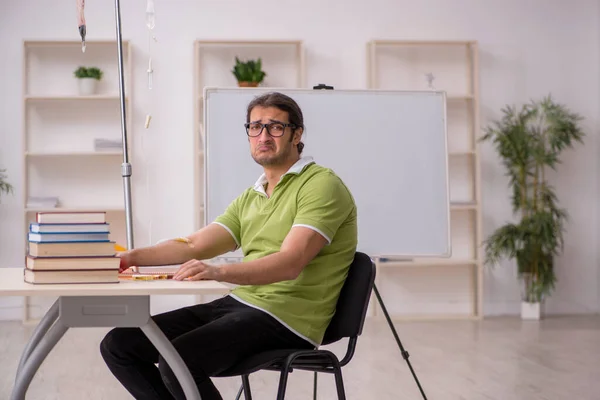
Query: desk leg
point(35, 359)
point(127, 311)
point(166, 349)
point(97, 311)
point(40, 330)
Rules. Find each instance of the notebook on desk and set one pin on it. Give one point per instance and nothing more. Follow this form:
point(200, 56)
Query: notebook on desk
point(167, 271)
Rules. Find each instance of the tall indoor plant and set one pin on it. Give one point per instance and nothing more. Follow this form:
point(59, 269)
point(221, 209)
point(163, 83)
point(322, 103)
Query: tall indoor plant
point(529, 140)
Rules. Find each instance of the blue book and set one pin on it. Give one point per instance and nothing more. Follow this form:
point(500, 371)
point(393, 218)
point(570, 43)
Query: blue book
point(68, 237)
point(68, 228)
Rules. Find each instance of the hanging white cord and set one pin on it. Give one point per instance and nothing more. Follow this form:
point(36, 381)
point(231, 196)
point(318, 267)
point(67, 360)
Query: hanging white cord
point(150, 23)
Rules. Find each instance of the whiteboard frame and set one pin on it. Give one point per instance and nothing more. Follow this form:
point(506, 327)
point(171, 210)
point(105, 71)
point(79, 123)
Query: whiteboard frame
point(257, 90)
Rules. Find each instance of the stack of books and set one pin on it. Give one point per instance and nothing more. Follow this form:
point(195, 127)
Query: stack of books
point(70, 247)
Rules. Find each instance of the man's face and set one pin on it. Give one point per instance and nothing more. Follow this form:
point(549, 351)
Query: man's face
point(267, 150)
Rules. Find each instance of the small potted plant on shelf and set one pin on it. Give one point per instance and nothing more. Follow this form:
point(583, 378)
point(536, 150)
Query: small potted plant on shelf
point(249, 73)
point(5, 187)
point(88, 78)
point(529, 141)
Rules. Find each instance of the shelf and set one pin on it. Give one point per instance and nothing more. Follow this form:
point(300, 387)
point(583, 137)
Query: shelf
point(396, 64)
point(214, 60)
point(72, 43)
point(456, 205)
point(434, 262)
point(433, 317)
point(422, 43)
point(248, 43)
point(439, 288)
point(75, 209)
point(451, 97)
point(461, 153)
point(74, 154)
point(73, 97)
point(60, 129)
point(49, 67)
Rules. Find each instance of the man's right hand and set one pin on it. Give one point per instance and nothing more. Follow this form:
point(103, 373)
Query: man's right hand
point(125, 262)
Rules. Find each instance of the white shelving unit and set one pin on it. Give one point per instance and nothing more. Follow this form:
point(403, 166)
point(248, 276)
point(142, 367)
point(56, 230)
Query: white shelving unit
point(439, 288)
point(59, 129)
point(282, 60)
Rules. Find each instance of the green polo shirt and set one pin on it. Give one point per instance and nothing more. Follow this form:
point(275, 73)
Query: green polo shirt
point(307, 195)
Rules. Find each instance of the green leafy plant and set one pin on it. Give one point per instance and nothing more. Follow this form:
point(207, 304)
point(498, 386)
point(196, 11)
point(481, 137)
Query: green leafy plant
point(88, 72)
point(249, 71)
point(529, 140)
point(4, 185)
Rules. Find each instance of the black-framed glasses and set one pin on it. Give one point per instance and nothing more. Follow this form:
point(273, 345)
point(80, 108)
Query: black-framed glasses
point(275, 129)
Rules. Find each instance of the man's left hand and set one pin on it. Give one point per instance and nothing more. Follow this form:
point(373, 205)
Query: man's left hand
point(195, 270)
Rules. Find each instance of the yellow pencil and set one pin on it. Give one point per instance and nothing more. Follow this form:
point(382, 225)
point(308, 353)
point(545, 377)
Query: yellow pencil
point(184, 240)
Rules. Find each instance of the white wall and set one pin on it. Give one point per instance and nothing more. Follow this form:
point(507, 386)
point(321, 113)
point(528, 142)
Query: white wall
point(527, 49)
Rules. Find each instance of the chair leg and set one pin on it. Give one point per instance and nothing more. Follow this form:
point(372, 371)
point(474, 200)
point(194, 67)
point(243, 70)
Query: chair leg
point(246, 386)
point(339, 383)
point(315, 386)
point(239, 395)
point(282, 383)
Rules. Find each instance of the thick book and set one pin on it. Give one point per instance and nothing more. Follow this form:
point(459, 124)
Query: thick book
point(68, 237)
point(71, 263)
point(72, 276)
point(65, 217)
point(67, 249)
point(68, 228)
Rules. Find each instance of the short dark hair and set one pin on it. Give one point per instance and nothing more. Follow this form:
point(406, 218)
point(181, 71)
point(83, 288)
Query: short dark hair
point(282, 102)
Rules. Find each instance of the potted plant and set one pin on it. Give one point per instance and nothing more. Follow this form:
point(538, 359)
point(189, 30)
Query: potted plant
point(249, 73)
point(529, 140)
point(4, 185)
point(88, 78)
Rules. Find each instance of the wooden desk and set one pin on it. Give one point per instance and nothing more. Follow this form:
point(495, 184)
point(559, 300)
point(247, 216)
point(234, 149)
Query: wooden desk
point(123, 304)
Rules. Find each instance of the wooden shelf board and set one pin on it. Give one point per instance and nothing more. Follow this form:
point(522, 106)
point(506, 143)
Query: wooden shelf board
point(76, 209)
point(463, 205)
point(461, 153)
point(434, 262)
point(74, 154)
point(392, 42)
point(459, 97)
point(69, 43)
point(429, 317)
point(226, 42)
point(73, 97)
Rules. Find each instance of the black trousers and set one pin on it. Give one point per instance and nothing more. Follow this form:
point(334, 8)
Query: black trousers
point(210, 338)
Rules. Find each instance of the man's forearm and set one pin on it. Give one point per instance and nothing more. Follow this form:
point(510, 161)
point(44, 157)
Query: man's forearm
point(166, 253)
point(281, 266)
point(208, 242)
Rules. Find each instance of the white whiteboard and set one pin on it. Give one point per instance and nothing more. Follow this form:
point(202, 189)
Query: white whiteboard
point(389, 147)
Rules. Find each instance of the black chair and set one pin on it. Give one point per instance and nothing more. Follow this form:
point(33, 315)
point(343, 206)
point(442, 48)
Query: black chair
point(347, 322)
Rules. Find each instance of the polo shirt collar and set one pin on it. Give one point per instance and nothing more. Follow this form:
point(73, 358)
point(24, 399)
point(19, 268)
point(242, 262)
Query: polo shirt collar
point(297, 168)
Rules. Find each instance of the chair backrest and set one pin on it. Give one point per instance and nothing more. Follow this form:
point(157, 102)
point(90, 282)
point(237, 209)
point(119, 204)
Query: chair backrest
point(353, 301)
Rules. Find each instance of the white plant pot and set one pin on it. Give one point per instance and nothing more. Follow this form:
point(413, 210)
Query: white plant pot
point(531, 311)
point(87, 86)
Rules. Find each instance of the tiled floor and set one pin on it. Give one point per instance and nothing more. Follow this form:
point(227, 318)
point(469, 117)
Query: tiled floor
point(504, 359)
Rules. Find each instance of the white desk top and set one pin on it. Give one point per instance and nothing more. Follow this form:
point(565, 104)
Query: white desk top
point(12, 284)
